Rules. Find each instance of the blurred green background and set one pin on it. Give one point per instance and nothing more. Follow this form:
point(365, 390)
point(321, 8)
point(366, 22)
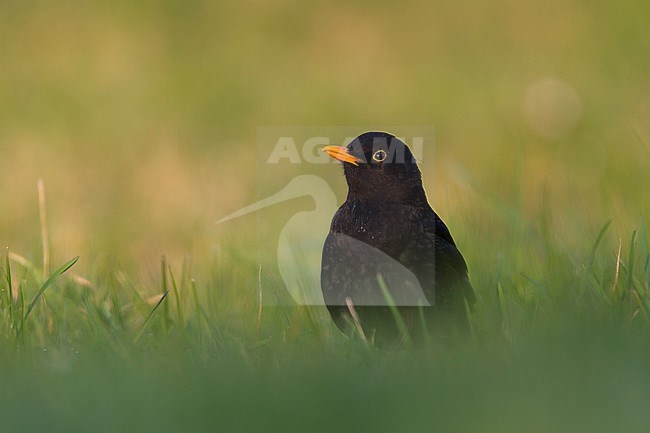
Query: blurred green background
point(141, 117)
point(142, 120)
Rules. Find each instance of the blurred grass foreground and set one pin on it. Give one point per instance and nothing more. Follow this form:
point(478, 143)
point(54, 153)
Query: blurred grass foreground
point(142, 118)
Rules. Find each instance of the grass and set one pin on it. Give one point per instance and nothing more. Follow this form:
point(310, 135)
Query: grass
point(110, 352)
point(143, 120)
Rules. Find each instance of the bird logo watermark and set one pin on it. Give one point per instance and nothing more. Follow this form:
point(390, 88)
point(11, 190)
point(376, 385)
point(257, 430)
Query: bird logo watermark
point(291, 165)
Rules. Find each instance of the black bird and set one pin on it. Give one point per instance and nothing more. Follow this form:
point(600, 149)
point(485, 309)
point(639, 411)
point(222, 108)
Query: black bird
point(388, 252)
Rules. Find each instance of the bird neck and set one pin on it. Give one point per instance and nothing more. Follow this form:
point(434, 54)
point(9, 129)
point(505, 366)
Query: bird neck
point(413, 195)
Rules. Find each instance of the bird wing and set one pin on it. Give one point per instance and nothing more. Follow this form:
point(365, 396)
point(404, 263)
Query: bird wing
point(352, 268)
point(440, 268)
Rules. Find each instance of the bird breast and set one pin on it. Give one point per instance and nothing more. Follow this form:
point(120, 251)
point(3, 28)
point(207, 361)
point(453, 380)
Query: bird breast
point(386, 227)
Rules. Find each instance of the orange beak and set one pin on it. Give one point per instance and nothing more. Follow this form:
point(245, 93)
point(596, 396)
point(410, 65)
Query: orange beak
point(341, 153)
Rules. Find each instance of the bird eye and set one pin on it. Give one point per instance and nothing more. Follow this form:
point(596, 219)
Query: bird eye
point(379, 155)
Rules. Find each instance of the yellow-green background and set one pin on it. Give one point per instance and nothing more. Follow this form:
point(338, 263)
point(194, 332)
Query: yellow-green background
point(141, 117)
point(142, 120)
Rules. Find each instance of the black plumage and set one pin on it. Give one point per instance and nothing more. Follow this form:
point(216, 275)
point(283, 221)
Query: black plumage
point(388, 251)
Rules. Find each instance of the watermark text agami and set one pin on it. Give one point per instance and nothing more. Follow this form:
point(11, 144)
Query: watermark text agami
point(288, 149)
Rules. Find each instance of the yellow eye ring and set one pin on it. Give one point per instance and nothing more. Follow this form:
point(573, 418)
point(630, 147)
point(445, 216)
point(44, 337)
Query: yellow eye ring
point(379, 155)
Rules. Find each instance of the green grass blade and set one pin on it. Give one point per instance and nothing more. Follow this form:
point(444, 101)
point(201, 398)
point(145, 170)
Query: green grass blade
point(10, 301)
point(399, 321)
point(505, 316)
point(21, 302)
point(164, 283)
point(48, 283)
point(423, 324)
point(155, 308)
point(470, 317)
point(177, 297)
point(594, 249)
point(630, 267)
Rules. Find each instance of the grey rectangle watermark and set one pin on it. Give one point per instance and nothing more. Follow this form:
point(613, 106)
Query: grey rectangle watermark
point(291, 166)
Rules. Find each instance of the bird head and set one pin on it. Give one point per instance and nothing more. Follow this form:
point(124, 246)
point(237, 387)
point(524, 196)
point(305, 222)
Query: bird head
point(379, 166)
